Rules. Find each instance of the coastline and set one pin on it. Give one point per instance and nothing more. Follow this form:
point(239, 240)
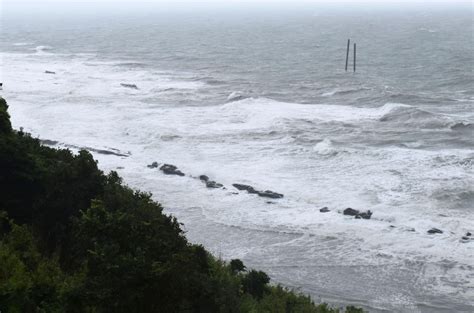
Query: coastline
point(202, 230)
point(95, 244)
point(406, 294)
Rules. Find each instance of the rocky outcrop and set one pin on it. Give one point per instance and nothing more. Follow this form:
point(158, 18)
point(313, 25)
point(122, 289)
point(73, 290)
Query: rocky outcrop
point(111, 151)
point(350, 211)
point(210, 183)
point(324, 210)
point(204, 178)
point(265, 194)
point(213, 184)
point(467, 237)
point(132, 86)
point(434, 231)
point(270, 194)
point(357, 214)
point(48, 142)
point(107, 152)
point(170, 169)
point(365, 215)
point(153, 165)
point(247, 188)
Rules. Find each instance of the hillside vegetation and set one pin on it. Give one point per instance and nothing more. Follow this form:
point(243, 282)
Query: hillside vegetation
point(73, 239)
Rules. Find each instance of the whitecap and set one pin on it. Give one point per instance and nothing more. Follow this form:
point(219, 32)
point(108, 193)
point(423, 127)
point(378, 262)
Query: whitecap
point(325, 147)
point(20, 44)
point(42, 49)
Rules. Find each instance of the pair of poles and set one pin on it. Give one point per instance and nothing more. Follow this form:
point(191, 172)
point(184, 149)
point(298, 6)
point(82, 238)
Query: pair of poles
point(347, 54)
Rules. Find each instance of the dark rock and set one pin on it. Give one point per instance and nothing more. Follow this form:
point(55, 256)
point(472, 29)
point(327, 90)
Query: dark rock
point(48, 142)
point(210, 183)
point(324, 210)
point(213, 184)
point(169, 169)
point(351, 212)
point(270, 194)
point(468, 234)
point(248, 188)
point(107, 152)
point(357, 214)
point(265, 194)
point(132, 86)
point(465, 238)
point(365, 215)
point(153, 165)
point(435, 231)
point(49, 72)
point(112, 151)
point(392, 226)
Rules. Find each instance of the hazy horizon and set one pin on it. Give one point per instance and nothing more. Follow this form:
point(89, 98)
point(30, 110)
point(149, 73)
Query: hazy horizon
point(127, 6)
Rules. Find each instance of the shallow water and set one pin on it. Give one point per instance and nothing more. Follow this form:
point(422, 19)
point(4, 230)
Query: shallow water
point(265, 101)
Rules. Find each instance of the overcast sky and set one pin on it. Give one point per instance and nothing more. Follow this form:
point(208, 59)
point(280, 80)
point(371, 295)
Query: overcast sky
point(35, 6)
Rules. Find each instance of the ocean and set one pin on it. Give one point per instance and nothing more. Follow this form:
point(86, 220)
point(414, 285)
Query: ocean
point(263, 99)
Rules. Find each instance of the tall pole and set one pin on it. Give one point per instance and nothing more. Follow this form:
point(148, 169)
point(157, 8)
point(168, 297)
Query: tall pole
point(347, 52)
point(354, 57)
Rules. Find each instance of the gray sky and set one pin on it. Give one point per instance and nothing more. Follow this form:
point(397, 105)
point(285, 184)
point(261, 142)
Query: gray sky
point(45, 6)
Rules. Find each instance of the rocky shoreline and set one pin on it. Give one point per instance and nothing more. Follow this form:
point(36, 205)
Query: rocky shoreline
point(170, 169)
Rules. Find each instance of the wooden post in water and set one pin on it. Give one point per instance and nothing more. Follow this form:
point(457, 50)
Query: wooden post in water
point(347, 52)
point(354, 57)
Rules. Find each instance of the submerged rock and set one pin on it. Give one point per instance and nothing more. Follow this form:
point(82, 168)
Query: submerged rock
point(270, 194)
point(467, 237)
point(170, 169)
point(48, 142)
point(112, 151)
point(435, 231)
point(324, 210)
point(132, 86)
point(265, 194)
point(153, 165)
point(108, 152)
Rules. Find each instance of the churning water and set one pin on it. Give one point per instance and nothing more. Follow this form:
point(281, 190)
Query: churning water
point(264, 100)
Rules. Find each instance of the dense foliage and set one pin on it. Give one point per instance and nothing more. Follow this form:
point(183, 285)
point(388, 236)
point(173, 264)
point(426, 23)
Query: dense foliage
point(73, 239)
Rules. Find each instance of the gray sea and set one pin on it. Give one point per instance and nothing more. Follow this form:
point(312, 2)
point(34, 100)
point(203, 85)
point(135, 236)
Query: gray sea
point(262, 98)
